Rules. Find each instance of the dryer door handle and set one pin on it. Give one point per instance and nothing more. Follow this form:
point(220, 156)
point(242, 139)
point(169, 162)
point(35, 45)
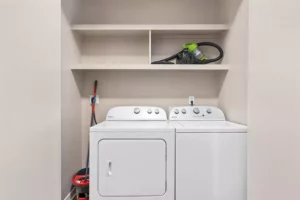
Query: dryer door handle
point(109, 168)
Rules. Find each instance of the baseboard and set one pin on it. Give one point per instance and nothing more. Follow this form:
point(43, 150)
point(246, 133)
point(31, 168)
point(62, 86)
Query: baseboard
point(71, 195)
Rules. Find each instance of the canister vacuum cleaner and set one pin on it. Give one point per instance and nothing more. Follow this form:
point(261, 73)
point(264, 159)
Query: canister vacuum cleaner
point(192, 54)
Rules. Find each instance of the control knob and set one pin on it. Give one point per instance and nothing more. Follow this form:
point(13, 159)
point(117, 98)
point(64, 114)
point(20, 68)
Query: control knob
point(137, 111)
point(196, 111)
point(156, 111)
point(149, 111)
point(176, 111)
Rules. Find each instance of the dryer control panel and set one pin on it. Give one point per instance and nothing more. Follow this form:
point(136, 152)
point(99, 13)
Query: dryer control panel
point(136, 113)
point(196, 113)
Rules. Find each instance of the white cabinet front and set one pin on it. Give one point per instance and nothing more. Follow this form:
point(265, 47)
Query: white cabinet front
point(211, 166)
point(131, 167)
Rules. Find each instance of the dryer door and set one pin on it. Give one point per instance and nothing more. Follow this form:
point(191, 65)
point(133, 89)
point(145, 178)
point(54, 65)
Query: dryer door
point(131, 167)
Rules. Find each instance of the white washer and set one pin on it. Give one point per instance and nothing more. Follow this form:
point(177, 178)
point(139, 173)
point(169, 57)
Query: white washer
point(132, 155)
point(211, 155)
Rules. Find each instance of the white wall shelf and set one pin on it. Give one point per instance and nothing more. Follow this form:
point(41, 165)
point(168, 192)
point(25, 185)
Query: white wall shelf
point(212, 67)
point(99, 29)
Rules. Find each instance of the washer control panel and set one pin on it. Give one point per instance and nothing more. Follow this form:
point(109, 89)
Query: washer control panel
point(196, 113)
point(136, 113)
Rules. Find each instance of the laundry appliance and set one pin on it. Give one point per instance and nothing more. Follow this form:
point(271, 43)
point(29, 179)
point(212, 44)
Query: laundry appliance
point(210, 155)
point(132, 155)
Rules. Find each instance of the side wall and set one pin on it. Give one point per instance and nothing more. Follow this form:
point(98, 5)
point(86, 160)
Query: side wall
point(274, 100)
point(71, 100)
point(233, 95)
point(30, 108)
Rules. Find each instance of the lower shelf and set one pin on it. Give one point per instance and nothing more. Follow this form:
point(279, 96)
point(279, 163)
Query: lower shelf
point(85, 67)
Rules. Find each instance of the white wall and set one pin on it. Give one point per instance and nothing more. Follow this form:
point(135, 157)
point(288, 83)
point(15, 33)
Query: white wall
point(148, 12)
point(30, 99)
point(233, 95)
point(71, 99)
point(274, 100)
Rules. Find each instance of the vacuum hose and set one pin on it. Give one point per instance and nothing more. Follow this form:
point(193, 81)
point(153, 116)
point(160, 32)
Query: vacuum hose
point(191, 59)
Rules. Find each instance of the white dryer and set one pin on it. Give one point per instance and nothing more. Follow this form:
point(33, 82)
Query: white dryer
point(211, 155)
point(132, 155)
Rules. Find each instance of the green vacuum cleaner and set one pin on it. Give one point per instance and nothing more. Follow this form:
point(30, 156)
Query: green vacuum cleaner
point(192, 54)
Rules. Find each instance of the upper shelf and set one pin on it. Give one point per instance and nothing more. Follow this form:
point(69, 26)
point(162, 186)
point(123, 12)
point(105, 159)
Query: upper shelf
point(107, 29)
point(213, 67)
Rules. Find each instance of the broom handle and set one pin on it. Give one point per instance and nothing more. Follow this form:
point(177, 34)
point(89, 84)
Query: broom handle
point(93, 120)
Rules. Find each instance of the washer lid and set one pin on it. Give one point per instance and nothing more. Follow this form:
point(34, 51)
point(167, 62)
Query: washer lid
point(132, 126)
point(208, 127)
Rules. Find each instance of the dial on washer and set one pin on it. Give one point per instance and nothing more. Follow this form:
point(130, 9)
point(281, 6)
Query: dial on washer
point(196, 111)
point(136, 111)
